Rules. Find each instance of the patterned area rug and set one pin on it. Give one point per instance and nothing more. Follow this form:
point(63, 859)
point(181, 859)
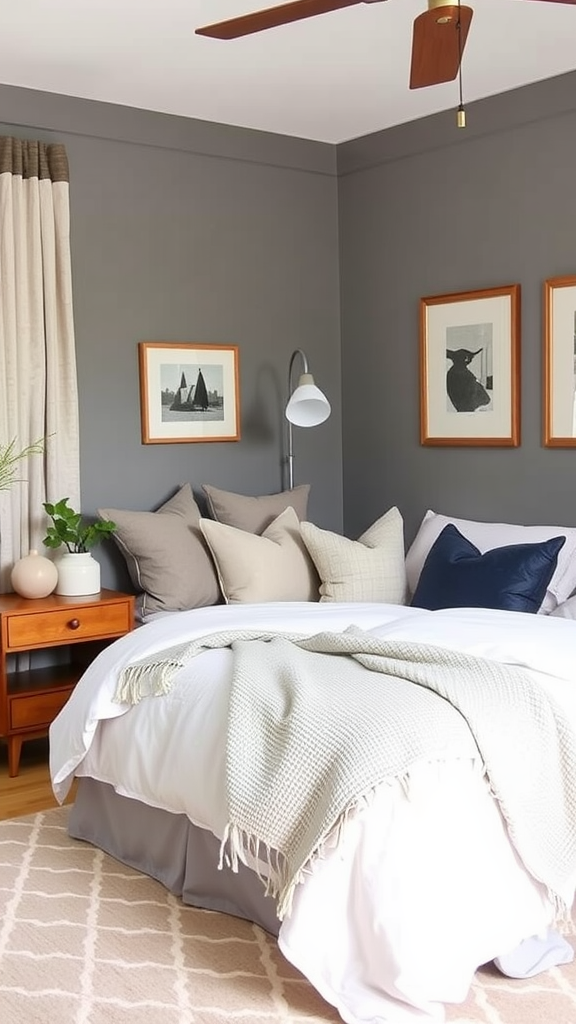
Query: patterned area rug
point(85, 940)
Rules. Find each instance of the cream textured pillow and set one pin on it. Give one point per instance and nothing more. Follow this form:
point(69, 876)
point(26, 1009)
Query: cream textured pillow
point(368, 569)
point(272, 567)
point(166, 556)
point(254, 514)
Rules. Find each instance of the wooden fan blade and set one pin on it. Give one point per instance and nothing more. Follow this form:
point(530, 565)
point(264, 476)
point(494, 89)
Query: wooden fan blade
point(272, 17)
point(436, 48)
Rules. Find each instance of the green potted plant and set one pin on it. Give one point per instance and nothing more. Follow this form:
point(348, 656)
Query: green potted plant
point(78, 571)
point(70, 529)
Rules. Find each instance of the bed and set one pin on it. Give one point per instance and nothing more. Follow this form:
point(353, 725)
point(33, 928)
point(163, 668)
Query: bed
point(392, 870)
point(423, 886)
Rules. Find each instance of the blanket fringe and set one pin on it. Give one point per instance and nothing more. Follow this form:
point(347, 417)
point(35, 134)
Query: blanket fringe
point(152, 676)
point(132, 686)
point(562, 911)
point(562, 919)
point(238, 845)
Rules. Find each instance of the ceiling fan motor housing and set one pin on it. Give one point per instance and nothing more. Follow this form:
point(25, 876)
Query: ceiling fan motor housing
point(448, 16)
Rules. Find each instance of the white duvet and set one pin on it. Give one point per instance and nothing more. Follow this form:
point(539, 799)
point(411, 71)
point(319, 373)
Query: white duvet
point(424, 886)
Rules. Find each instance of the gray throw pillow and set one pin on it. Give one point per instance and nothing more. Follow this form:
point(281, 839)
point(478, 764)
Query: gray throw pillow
point(254, 514)
point(166, 555)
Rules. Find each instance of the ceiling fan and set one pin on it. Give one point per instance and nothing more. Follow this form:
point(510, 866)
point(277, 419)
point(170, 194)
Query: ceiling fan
point(438, 38)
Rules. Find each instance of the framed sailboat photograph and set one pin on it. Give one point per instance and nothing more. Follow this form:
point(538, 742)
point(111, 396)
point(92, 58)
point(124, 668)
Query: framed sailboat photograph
point(188, 392)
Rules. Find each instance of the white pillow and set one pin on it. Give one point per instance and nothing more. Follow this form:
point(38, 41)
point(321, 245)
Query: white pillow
point(566, 610)
point(368, 569)
point(274, 566)
point(487, 536)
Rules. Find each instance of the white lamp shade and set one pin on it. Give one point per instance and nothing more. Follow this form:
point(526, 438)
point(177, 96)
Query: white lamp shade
point(307, 406)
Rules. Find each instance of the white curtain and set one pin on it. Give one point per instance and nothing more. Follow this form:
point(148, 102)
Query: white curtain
point(38, 384)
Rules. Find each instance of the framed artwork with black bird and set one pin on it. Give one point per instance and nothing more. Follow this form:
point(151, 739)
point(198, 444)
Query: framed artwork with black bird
point(464, 390)
point(470, 368)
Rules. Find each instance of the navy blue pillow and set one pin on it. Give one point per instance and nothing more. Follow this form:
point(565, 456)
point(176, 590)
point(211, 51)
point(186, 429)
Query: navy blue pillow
point(513, 578)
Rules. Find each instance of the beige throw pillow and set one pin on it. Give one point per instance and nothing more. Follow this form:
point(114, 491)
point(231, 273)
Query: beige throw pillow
point(272, 567)
point(368, 569)
point(254, 514)
point(166, 556)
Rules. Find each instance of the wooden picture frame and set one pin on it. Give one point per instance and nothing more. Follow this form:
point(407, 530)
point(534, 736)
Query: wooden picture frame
point(560, 362)
point(470, 368)
point(188, 392)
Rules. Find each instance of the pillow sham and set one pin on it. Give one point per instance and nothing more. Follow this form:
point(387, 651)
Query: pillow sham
point(511, 578)
point(272, 567)
point(166, 556)
point(566, 610)
point(368, 569)
point(254, 514)
point(487, 536)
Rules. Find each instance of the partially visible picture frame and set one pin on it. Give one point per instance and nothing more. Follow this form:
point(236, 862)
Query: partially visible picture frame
point(188, 392)
point(560, 362)
point(470, 368)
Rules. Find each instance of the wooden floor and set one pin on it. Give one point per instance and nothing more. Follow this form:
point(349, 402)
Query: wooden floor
point(31, 790)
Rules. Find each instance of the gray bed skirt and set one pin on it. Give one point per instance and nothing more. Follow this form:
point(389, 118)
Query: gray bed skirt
point(183, 857)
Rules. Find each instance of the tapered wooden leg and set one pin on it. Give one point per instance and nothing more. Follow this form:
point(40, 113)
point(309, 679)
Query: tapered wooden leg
point(14, 751)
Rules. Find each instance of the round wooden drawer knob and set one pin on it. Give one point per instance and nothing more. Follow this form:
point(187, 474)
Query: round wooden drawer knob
point(74, 623)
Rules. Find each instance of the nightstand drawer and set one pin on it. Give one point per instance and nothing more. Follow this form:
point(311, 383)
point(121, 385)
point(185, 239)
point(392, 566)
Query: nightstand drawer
point(68, 625)
point(33, 713)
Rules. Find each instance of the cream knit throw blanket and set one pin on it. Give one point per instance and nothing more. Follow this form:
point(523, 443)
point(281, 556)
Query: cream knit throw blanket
point(311, 733)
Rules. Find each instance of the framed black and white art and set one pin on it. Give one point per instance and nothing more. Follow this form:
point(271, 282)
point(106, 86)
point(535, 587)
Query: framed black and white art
point(188, 392)
point(470, 368)
point(560, 362)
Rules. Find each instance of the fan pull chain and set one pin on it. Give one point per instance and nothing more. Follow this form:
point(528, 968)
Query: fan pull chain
point(461, 114)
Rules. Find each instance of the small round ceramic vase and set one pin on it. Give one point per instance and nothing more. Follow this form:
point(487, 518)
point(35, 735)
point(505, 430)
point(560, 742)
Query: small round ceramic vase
point(34, 576)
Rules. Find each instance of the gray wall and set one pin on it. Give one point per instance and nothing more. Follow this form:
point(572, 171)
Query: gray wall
point(426, 209)
point(189, 231)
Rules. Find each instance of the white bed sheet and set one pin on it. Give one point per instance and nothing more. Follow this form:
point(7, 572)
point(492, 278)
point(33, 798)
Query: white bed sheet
point(425, 885)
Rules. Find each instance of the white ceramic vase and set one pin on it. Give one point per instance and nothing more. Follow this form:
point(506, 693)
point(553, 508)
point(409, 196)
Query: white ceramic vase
point(34, 576)
point(78, 574)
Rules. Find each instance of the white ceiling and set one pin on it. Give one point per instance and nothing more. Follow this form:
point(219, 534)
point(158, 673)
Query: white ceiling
point(330, 78)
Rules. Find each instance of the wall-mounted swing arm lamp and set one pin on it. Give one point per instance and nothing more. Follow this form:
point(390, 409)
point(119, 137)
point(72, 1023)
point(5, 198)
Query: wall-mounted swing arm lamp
point(307, 406)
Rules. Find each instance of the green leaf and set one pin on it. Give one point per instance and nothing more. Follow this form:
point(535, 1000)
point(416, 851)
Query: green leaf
point(9, 459)
point(69, 528)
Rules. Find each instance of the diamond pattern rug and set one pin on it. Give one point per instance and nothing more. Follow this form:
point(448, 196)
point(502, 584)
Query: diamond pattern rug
point(85, 940)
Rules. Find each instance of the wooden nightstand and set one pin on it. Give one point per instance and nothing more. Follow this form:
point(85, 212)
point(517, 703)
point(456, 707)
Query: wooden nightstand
point(31, 699)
